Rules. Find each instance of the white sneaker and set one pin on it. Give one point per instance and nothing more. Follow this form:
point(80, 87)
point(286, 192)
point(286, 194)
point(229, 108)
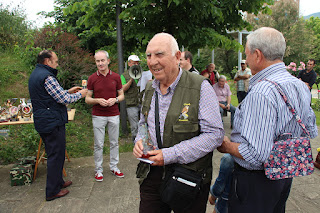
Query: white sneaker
point(99, 176)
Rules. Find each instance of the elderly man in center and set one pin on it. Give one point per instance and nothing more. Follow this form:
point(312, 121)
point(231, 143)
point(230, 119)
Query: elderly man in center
point(190, 125)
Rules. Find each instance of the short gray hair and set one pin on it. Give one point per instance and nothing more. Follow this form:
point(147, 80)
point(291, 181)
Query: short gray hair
point(102, 51)
point(173, 42)
point(222, 77)
point(269, 41)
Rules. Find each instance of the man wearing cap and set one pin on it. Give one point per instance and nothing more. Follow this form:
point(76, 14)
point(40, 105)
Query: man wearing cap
point(131, 93)
point(242, 80)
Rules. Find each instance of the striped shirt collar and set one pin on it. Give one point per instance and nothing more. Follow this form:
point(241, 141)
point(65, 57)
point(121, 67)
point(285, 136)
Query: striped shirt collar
point(171, 88)
point(270, 70)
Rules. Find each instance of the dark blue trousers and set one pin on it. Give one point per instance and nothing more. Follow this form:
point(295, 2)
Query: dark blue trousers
point(55, 145)
point(253, 192)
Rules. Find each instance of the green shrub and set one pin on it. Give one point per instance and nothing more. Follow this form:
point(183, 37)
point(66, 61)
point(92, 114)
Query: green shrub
point(13, 27)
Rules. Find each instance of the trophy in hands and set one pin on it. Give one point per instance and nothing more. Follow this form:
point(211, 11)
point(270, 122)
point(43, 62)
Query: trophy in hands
point(147, 146)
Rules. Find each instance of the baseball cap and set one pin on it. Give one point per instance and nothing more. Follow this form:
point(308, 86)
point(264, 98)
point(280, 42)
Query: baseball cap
point(243, 61)
point(133, 58)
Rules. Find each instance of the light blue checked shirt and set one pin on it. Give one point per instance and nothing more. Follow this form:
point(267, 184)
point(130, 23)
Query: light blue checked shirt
point(58, 93)
point(263, 115)
point(211, 127)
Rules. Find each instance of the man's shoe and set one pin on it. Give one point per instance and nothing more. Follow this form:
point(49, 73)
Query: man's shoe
point(66, 184)
point(117, 173)
point(63, 192)
point(99, 176)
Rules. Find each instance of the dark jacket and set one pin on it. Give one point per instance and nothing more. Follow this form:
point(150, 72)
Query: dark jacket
point(47, 113)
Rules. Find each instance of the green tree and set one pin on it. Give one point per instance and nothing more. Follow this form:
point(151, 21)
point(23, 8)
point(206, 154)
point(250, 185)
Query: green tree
point(285, 18)
point(13, 27)
point(195, 23)
point(313, 25)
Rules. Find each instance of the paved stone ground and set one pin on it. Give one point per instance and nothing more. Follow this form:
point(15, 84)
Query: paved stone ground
point(121, 195)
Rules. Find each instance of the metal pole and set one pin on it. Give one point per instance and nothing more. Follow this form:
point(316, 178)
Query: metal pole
point(212, 56)
point(123, 114)
point(239, 52)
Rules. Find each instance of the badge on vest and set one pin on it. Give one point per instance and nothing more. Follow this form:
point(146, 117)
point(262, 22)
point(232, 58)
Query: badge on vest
point(184, 113)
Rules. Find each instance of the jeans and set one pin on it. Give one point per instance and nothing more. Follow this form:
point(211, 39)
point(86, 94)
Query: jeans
point(133, 117)
point(221, 187)
point(241, 95)
point(232, 110)
point(99, 124)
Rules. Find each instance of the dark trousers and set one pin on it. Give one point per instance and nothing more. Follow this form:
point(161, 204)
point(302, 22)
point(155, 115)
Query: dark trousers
point(252, 191)
point(241, 95)
point(55, 145)
point(150, 200)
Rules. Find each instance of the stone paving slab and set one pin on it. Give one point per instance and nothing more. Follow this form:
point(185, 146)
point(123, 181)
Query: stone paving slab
point(117, 195)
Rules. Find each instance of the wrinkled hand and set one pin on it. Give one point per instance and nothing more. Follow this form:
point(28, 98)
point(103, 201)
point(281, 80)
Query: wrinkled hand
point(224, 146)
point(138, 149)
point(157, 157)
point(74, 90)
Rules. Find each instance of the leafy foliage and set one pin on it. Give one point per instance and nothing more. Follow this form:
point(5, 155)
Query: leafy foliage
point(74, 62)
point(13, 27)
point(313, 25)
point(195, 24)
point(285, 18)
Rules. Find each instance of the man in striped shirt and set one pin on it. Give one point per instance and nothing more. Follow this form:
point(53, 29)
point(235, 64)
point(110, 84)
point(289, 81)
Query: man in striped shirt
point(259, 120)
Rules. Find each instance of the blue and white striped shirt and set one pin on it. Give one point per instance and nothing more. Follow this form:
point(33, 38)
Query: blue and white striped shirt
point(58, 93)
point(263, 115)
point(211, 127)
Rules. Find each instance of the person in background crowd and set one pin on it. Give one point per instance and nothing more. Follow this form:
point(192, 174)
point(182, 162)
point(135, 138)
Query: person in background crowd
point(131, 93)
point(104, 93)
point(186, 62)
point(193, 105)
point(308, 76)
point(260, 119)
point(242, 80)
point(210, 73)
point(50, 115)
point(223, 93)
point(219, 191)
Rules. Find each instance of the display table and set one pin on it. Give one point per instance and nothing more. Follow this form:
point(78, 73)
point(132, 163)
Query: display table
point(40, 158)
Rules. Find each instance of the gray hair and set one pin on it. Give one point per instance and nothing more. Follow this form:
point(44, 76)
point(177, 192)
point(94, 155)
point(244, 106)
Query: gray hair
point(222, 77)
point(102, 51)
point(269, 41)
point(173, 42)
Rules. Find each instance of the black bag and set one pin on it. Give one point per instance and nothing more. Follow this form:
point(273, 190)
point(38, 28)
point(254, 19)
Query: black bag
point(180, 188)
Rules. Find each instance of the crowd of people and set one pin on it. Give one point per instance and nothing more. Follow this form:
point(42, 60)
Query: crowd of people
point(185, 132)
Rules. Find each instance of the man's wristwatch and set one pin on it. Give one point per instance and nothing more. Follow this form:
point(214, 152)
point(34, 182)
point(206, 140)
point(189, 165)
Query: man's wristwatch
point(117, 100)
